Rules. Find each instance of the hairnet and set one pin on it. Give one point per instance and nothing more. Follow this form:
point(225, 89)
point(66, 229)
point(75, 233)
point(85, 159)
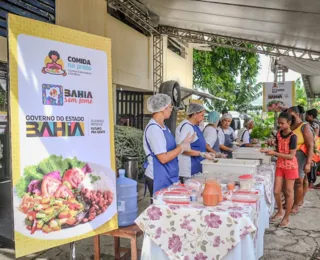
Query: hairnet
point(247, 121)
point(158, 102)
point(213, 117)
point(226, 116)
point(194, 108)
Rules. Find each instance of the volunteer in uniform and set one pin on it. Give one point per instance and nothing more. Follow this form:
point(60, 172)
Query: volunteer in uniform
point(162, 168)
point(210, 132)
point(190, 161)
point(226, 135)
point(244, 133)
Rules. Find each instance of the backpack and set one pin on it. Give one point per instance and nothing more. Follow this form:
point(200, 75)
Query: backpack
point(316, 139)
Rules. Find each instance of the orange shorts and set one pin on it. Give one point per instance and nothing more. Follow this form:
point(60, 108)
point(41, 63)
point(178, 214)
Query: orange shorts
point(291, 174)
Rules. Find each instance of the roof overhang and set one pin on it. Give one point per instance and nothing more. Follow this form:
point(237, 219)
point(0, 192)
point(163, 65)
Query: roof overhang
point(276, 27)
point(291, 23)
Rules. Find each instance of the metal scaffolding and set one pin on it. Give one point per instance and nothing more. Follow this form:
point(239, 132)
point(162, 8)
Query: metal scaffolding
point(141, 18)
point(133, 13)
point(238, 44)
point(307, 86)
point(157, 62)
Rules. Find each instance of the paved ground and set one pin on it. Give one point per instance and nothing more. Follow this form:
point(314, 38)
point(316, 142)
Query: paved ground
point(299, 242)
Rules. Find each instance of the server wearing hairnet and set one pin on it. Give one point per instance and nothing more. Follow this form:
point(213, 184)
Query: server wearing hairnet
point(190, 161)
point(226, 135)
point(244, 133)
point(162, 168)
point(210, 132)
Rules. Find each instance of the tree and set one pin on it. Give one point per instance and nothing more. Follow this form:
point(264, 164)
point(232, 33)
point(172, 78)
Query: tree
point(300, 93)
point(229, 74)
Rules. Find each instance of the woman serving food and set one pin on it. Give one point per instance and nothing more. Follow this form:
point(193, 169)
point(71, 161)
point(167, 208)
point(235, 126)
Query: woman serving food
point(226, 135)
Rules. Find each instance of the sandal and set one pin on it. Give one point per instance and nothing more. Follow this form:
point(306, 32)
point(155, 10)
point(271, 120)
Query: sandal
point(294, 211)
point(280, 225)
point(276, 219)
point(317, 187)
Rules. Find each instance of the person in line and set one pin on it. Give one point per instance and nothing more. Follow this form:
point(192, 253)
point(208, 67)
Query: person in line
point(210, 132)
point(286, 168)
point(304, 136)
point(190, 161)
point(244, 133)
point(311, 118)
point(162, 168)
point(226, 135)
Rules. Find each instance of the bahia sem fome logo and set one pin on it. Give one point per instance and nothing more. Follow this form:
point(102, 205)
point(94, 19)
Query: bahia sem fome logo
point(56, 95)
point(52, 95)
point(54, 64)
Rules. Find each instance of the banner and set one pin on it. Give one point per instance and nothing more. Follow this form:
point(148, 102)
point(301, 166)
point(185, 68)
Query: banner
point(278, 96)
point(62, 141)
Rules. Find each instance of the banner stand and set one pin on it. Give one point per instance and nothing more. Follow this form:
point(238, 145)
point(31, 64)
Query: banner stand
point(73, 251)
point(61, 136)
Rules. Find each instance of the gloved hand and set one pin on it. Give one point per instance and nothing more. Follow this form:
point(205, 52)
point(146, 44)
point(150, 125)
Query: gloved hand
point(221, 155)
point(210, 156)
point(185, 144)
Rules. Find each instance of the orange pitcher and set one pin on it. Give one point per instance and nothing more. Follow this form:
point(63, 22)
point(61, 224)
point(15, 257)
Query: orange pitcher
point(212, 194)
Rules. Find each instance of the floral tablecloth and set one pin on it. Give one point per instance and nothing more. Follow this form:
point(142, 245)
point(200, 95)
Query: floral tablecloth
point(266, 177)
point(198, 232)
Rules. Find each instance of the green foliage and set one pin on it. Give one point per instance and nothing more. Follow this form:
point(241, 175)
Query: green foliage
point(229, 74)
point(316, 104)
point(262, 127)
point(301, 95)
point(129, 142)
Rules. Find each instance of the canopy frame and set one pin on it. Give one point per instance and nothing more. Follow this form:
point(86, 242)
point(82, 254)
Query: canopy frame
point(142, 18)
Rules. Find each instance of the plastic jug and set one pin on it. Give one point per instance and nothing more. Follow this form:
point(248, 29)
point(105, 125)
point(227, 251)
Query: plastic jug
point(127, 200)
point(212, 194)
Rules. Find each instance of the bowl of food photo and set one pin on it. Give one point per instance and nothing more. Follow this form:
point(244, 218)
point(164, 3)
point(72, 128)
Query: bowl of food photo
point(62, 197)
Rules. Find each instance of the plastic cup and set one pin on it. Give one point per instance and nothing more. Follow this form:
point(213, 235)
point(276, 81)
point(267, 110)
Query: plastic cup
point(231, 186)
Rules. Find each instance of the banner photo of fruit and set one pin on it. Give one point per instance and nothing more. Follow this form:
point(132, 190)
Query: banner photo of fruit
point(278, 96)
point(62, 140)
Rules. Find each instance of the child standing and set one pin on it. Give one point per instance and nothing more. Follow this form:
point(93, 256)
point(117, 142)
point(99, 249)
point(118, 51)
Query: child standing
point(286, 167)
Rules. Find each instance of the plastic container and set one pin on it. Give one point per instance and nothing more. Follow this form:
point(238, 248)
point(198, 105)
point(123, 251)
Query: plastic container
point(216, 169)
point(212, 193)
point(193, 184)
point(127, 200)
point(246, 182)
point(251, 153)
point(194, 197)
point(176, 197)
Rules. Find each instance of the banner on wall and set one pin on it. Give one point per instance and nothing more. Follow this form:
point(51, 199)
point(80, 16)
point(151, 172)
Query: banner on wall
point(62, 142)
point(278, 96)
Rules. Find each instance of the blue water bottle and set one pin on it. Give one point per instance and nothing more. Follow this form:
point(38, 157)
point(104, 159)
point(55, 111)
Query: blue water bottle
point(127, 200)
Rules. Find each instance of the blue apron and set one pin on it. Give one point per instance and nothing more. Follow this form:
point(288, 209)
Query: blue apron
point(228, 139)
point(199, 145)
point(216, 145)
point(163, 174)
point(241, 140)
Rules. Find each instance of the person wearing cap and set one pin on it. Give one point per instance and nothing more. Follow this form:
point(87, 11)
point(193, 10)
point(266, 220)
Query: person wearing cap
point(244, 133)
point(210, 132)
point(190, 161)
point(162, 168)
point(226, 135)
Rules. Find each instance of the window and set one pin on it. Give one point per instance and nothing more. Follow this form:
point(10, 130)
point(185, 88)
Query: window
point(177, 46)
point(42, 10)
point(4, 150)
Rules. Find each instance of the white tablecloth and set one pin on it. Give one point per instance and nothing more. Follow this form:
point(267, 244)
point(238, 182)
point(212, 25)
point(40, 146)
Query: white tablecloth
point(250, 248)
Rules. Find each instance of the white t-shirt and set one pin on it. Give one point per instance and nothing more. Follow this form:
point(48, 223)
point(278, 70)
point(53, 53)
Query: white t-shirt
point(157, 142)
point(246, 136)
point(223, 132)
point(184, 160)
point(210, 135)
